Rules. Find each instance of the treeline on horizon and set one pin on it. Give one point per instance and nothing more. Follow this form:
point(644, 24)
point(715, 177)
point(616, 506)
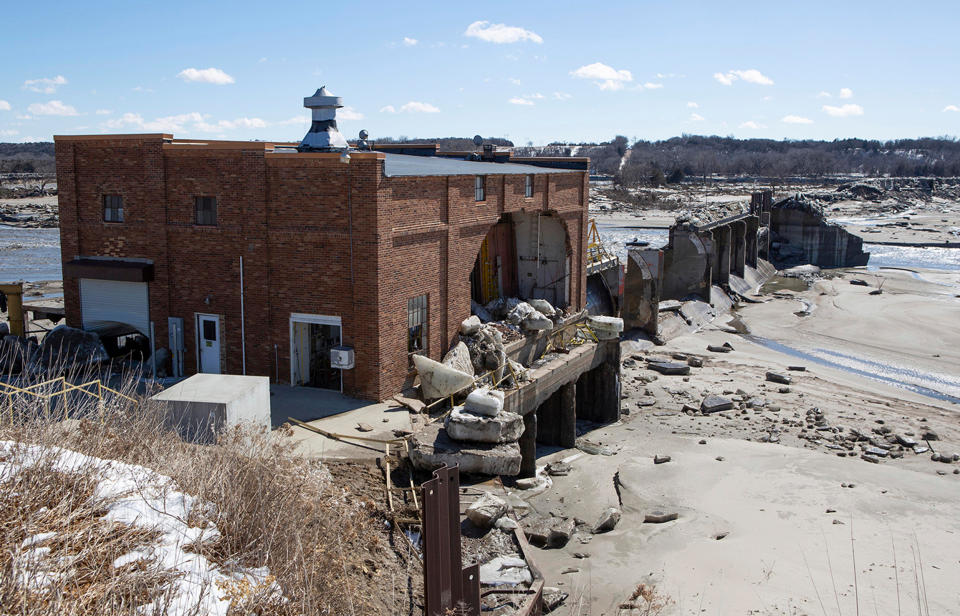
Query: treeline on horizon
point(673, 159)
point(694, 155)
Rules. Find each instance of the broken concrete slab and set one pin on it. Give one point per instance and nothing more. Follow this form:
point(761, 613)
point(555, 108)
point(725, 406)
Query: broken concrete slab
point(726, 347)
point(549, 532)
point(486, 510)
point(439, 381)
point(659, 517)
point(776, 377)
point(607, 521)
point(505, 571)
point(432, 448)
point(715, 404)
point(463, 425)
point(413, 404)
point(458, 358)
point(669, 367)
point(604, 327)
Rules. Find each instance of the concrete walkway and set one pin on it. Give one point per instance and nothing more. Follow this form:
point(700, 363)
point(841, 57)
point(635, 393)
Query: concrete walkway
point(338, 414)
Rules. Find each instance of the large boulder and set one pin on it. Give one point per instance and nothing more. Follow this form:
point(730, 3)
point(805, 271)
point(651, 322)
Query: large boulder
point(439, 381)
point(465, 426)
point(528, 317)
point(69, 345)
point(470, 326)
point(16, 354)
point(486, 510)
point(543, 306)
point(607, 521)
point(458, 358)
point(432, 448)
point(484, 401)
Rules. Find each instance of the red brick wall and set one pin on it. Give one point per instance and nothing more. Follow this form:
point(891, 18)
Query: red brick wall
point(289, 217)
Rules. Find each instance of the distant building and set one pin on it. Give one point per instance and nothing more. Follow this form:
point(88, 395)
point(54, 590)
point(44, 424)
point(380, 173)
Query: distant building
point(373, 254)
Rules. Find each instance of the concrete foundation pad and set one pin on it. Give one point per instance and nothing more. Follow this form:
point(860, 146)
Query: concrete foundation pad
point(432, 448)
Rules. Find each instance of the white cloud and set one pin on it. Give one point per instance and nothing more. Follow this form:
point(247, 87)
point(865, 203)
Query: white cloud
point(652, 86)
point(696, 117)
point(24, 117)
point(500, 33)
point(562, 96)
point(5, 106)
point(349, 113)
point(411, 107)
point(752, 125)
point(824, 94)
point(606, 77)
point(517, 100)
point(692, 105)
point(410, 42)
point(142, 89)
point(724, 78)
point(846, 93)
point(535, 95)
point(56, 108)
point(103, 112)
point(166, 124)
point(8, 132)
point(795, 119)
point(46, 85)
point(223, 125)
point(844, 111)
point(751, 75)
point(514, 81)
point(205, 75)
point(953, 108)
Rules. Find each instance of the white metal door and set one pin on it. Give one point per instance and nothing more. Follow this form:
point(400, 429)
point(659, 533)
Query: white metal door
point(103, 303)
point(208, 343)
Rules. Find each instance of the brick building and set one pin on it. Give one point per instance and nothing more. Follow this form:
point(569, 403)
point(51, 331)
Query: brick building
point(378, 251)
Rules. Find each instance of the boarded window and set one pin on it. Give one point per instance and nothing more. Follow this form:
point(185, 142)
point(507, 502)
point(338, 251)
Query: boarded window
point(112, 208)
point(528, 189)
point(206, 210)
point(480, 188)
point(417, 313)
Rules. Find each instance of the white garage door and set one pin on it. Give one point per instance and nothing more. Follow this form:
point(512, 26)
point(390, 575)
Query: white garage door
point(104, 303)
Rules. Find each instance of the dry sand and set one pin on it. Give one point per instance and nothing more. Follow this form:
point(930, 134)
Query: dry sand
point(772, 498)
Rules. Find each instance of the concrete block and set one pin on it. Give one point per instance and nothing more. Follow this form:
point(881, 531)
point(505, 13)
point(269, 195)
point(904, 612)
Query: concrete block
point(204, 405)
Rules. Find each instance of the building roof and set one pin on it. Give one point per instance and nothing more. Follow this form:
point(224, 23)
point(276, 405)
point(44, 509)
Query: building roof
point(403, 164)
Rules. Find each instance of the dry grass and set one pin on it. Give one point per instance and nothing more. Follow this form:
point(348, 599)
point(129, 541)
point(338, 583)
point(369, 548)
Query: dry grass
point(645, 601)
point(273, 509)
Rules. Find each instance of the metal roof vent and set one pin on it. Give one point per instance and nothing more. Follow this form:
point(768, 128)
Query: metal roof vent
point(323, 135)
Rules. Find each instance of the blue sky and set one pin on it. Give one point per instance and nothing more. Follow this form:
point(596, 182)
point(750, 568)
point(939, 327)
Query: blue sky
point(530, 71)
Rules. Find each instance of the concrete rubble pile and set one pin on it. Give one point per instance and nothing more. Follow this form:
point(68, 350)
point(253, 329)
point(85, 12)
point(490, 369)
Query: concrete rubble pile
point(705, 214)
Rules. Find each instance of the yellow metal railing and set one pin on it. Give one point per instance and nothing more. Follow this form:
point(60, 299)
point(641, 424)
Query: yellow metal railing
point(596, 253)
point(36, 391)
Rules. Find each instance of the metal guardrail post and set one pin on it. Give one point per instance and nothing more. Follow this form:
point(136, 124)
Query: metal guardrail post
point(448, 587)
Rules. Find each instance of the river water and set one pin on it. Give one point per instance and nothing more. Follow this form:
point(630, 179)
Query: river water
point(29, 254)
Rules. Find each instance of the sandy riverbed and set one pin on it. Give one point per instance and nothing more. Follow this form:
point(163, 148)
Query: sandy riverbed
point(778, 491)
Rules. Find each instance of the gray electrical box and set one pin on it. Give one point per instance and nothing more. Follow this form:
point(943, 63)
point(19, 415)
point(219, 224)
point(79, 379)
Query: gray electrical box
point(341, 357)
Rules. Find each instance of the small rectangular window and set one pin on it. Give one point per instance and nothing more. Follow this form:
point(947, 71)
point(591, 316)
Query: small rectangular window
point(112, 208)
point(417, 314)
point(528, 189)
point(206, 210)
point(480, 188)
